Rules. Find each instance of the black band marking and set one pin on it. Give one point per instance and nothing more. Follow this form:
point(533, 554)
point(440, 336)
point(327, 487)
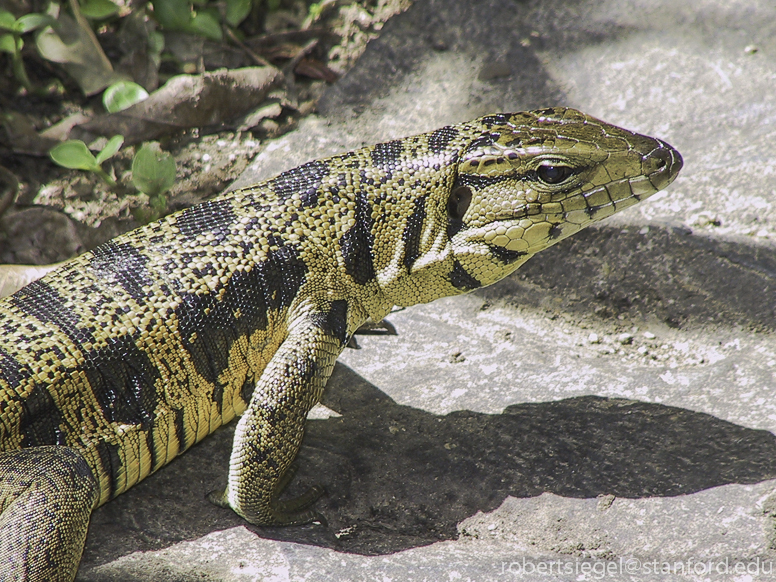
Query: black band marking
point(387, 155)
point(209, 326)
point(210, 216)
point(441, 138)
point(122, 264)
point(462, 279)
point(505, 255)
point(305, 180)
point(334, 322)
point(413, 232)
point(40, 419)
point(356, 244)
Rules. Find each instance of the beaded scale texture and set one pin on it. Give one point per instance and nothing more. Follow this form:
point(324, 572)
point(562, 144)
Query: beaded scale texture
point(126, 356)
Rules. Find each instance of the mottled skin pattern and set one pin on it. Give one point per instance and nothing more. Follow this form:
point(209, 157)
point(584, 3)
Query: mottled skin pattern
point(128, 355)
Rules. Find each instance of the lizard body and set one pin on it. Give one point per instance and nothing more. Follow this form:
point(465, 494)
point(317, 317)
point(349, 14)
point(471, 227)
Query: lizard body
point(126, 356)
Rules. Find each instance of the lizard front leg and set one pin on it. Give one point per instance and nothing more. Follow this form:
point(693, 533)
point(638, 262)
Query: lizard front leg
point(269, 434)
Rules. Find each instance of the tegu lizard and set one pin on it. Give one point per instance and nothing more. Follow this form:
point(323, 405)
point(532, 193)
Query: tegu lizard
point(123, 358)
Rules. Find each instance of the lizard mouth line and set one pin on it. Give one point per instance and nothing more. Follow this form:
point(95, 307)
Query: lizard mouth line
point(579, 208)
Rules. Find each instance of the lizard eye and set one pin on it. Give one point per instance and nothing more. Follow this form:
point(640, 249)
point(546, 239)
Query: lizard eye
point(553, 174)
point(459, 201)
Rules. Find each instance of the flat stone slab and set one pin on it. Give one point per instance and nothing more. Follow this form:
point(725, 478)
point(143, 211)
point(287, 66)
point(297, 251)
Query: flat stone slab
point(605, 412)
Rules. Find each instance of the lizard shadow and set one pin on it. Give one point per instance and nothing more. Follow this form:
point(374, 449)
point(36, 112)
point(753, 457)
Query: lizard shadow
point(669, 274)
point(399, 477)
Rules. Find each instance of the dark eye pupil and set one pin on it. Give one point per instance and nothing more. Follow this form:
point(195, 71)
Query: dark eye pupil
point(553, 174)
point(459, 201)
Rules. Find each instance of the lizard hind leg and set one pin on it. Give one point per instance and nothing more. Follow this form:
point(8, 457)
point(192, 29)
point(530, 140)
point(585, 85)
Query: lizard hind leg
point(294, 511)
point(47, 495)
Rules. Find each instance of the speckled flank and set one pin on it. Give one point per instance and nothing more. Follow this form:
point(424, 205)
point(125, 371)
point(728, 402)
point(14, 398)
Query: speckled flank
point(130, 354)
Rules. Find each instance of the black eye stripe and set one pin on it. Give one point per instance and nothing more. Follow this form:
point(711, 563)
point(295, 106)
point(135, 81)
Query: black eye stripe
point(544, 173)
point(479, 182)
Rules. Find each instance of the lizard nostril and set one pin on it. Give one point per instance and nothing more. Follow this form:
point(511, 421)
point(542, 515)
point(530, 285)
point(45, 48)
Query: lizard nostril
point(662, 165)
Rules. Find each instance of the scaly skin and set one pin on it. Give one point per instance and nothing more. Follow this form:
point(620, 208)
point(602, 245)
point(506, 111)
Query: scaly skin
point(126, 356)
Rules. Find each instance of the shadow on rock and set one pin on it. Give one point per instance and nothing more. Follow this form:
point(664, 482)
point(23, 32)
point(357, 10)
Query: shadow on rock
point(499, 37)
point(683, 279)
point(399, 477)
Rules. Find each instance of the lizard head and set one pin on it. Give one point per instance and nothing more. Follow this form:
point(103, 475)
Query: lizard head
point(531, 179)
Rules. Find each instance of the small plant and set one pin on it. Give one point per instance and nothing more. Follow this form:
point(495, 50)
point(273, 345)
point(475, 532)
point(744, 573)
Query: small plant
point(74, 154)
point(153, 170)
point(204, 17)
point(237, 11)
point(315, 10)
point(98, 9)
point(182, 16)
point(153, 173)
point(11, 31)
point(123, 95)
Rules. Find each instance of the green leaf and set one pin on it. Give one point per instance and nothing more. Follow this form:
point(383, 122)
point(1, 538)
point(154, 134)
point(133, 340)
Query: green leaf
point(30, 22)
point(110, 149)
point(153, 171)
point(237, 11)
point(158, 204)
point(98, 9)
point(172, 14)
point(8, 21)
point(122, 95)
point(206, 24)
point(155, 42)
point(315, 10)
point(75, 155)
point(8, 43)
point(74, 46)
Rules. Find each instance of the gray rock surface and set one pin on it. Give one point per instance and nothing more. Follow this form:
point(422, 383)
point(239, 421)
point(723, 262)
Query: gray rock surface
point(607, 411)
